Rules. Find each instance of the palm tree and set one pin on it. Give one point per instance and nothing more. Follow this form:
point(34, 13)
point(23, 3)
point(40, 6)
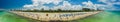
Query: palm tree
point(59, 10)
point(86, 9)
point(42, 9)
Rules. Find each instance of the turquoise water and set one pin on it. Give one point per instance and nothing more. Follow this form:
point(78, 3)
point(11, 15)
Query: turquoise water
point(106, 16)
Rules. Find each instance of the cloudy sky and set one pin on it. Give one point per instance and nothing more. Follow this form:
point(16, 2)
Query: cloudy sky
point(60, 4)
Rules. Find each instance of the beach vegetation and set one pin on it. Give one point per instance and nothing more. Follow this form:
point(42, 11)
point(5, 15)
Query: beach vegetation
point(59, 10)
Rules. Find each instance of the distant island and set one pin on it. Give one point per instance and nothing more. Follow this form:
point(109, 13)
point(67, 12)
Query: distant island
point(1, 10)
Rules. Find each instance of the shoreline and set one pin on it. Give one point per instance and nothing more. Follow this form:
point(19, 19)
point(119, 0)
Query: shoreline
point(63, 18)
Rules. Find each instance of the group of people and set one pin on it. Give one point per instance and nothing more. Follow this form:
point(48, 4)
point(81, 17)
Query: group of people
point(72, 14)
point(39, 15)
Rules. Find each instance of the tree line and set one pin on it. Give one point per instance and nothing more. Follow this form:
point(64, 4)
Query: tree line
point(59, 10)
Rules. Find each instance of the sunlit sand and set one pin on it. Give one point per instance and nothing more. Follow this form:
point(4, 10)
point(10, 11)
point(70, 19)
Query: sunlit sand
point(55, 16)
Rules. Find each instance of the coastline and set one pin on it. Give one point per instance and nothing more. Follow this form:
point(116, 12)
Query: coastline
point(63, 18)
point(105, 16)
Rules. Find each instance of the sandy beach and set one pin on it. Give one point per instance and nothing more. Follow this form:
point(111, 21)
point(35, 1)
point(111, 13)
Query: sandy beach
point(55, 16)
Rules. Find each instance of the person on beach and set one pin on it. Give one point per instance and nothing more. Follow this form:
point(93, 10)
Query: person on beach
point(46, 14)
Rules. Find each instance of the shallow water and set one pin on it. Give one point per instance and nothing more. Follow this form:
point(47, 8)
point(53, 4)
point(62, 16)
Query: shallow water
point(106, 16)
point(103, 17)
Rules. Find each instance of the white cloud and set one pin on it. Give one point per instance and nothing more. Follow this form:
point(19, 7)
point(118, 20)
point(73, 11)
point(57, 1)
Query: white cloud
point(38, 4)
point(110, 2)
point(117, 3)
point(89, 4)
point(28, 6)
point(67, 6)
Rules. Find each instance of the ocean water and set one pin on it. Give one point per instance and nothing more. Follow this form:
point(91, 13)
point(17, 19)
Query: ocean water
point(106, 16)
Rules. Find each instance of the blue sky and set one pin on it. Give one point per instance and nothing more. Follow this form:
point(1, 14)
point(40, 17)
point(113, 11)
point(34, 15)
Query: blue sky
point(9, 4)
point(12, 4)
